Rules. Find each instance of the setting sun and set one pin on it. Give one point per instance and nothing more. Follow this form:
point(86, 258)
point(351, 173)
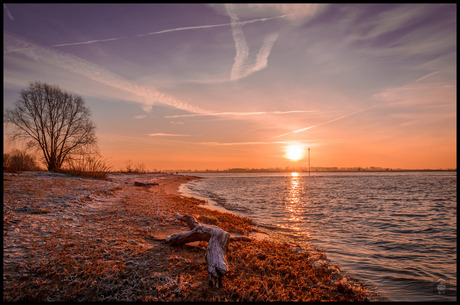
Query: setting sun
point(295, 152)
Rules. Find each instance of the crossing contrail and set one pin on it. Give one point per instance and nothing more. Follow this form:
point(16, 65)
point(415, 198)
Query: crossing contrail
point(241, 68)
point(323, 123)
point(187, 28)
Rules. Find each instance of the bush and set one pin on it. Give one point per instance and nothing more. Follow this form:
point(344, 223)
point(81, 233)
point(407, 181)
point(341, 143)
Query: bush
point(18, 160)
point(90, 165)
point(138, 168)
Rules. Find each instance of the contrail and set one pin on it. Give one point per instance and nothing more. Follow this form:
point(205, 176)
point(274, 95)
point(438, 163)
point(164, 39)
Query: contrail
point(224, 114)
point(242, 50)
point(160, 134)
point(240, 66)
point(8, 12)
point(169, 31)
point(241, 143)
point(323, 123)
point(147, 96)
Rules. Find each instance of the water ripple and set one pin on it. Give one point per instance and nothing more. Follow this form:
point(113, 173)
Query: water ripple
point(395, 230)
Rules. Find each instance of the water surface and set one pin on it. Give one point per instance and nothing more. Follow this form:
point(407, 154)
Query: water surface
point(395, 230)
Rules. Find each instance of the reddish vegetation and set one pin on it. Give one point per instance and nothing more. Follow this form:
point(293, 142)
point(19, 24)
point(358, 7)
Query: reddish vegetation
point(73, 239)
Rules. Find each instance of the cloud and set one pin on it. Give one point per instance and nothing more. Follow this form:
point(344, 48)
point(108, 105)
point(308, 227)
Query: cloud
point(295, 13)
point(89, 41)
point(323, 123)
point(390, 20)
point(234, 114)
point(159, 134)
point(141, 35)
point(419, 95)
point(187, 28)
point(146, 96)
point(251, 143)
point(239, 143)
point(8, 12)
point(241, 66)
point(406, 31)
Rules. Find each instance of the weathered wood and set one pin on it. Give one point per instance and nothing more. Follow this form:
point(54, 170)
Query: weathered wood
point(216, 257)
point(217, 245)
point(189, 220)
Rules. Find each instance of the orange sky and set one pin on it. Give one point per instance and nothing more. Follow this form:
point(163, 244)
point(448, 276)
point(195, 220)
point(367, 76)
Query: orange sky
point(220, 86)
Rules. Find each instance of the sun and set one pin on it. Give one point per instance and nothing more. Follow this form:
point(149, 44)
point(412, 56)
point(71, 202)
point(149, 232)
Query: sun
point(295, 152)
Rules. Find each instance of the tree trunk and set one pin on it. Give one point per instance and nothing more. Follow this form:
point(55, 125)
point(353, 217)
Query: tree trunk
point(52, 167)
point(217, 245)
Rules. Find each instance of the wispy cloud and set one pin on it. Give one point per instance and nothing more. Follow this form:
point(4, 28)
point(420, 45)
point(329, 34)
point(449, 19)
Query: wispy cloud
point(234, 114)
point(241, 68)
point(296, 13)
point(159, 134)
point(8, 12)
point(255, 143)
point(293, 13)
point(242, 143)
point(323, 123)
point(146, 96)
point(390, 20)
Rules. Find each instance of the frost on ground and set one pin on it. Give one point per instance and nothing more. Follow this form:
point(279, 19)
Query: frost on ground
point(74, 232)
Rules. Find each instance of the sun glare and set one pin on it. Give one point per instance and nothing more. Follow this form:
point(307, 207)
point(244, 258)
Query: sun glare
point(295, 152)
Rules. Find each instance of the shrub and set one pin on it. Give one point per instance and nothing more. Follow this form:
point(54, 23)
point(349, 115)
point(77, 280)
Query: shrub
point(90, 165)
point(18, 160)
point(138, 168)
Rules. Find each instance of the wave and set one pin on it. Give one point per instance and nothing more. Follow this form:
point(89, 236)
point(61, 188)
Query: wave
point(391, 229)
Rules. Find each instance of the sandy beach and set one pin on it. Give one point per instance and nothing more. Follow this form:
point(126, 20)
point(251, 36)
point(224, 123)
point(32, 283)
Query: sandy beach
point(68, 238)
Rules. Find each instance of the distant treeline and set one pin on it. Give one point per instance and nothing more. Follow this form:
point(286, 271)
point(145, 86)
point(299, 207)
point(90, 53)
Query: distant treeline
point(313, 169)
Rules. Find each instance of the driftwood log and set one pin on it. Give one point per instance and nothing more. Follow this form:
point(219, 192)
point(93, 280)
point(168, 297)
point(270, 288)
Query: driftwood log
point(136, 183)
point(217, 245)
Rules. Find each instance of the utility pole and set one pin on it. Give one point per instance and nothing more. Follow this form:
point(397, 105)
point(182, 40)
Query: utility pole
point(308, 161)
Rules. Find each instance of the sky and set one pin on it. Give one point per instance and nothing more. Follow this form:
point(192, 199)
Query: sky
point(217, 86)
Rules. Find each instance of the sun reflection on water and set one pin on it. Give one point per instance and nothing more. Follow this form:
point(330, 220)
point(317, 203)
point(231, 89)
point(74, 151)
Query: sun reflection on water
point(293, 204)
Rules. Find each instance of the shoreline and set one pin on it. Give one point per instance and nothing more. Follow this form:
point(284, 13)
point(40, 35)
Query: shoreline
point(81, 239)
point(261, 232)
point(301, 170)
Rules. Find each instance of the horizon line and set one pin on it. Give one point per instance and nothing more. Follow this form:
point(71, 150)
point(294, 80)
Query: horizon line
point(304, 169)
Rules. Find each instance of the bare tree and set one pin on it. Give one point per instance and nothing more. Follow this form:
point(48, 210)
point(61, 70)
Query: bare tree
point(53, 121)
